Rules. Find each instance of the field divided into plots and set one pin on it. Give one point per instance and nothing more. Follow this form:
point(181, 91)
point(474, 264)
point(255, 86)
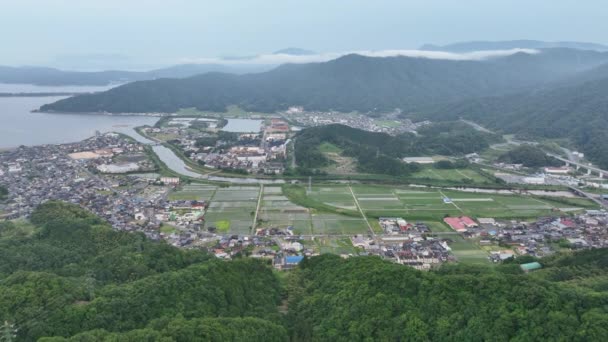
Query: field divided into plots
point(232, 210)
point(429, 203)
point(277, 211)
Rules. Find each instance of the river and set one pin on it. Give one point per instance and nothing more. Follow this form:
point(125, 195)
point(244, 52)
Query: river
point(19, 126)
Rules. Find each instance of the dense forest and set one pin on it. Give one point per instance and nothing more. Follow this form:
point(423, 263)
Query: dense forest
point(359, 299)
point(528, 156)
point(69, 277)
point(75, 274)
point(349, 83)
point(380, 153)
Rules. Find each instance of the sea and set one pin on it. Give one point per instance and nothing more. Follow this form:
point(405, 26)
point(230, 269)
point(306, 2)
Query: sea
point(20, 126)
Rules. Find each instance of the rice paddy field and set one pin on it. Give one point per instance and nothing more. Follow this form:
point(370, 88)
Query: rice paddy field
point(429, 204)
point(232, 210)
point(277, 211)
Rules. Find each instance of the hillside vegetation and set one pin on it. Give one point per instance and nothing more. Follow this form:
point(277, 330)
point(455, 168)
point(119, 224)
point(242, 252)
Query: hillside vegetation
point(380, 153)
point(578, 112)
point(349, 83)
point(528, 156)
point(75, 279)
point(76, 274)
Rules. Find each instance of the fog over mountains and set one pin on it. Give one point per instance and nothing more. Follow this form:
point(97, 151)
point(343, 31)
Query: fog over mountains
point(548, 92)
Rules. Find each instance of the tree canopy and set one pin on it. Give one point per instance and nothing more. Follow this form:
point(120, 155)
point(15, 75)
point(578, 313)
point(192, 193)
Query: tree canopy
point(75, 279)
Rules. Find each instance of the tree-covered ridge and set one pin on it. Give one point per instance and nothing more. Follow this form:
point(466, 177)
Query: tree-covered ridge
point(528, 156)
point(193, 330)
point(369, 299)
point(76, 274)
point(52, 289)
point(349, 83)
point(578, 111)
point(380, 152)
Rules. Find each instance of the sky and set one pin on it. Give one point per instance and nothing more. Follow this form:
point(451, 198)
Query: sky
point(149, 33)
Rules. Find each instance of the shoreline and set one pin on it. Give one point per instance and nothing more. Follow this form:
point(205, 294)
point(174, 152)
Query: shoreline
point(101, 113)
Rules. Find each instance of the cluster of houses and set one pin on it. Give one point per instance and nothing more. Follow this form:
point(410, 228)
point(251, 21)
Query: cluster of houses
point(67, 172)
point(537, 238)
point(261, 152)
point(396, 125)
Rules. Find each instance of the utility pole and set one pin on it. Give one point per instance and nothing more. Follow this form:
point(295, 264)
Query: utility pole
point(309, 184)
point(8, 332)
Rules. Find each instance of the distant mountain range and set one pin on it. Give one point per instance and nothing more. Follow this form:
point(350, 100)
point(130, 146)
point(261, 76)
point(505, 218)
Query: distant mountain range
point(294, 52)
point(512, 44)
point(349, 83)
point(556, 93)
point(57, 77)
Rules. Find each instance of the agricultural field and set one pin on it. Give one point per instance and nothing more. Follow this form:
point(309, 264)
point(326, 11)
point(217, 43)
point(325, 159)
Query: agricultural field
point(232, 209)
point(193, 192)
point(429, 204)
point(277, 211)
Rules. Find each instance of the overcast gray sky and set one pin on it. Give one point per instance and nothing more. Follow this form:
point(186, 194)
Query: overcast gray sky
point(156, 32)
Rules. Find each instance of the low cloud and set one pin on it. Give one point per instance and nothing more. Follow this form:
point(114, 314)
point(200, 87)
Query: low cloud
point(274, 59)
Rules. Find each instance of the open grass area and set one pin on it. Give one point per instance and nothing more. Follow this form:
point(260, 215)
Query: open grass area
point(167, 229)
point(387, 123)
point(467, 251)
point(329, 148)
point(333, 245)
point(464, 175)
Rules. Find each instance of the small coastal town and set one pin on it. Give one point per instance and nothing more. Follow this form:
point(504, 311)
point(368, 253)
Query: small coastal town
point(113, 176)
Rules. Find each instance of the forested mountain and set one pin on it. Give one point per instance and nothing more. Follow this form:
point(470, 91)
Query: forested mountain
point(380, 153)
point(367, 299)
point(75, 279)
point(578, 111)
point(348, 83)
point(512, 44)
point(56, 77)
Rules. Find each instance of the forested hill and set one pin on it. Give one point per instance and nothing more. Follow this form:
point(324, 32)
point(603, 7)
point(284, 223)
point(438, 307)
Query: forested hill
point(75, 275)
point(380, 153)
point(348, 83)
point(578, 112)
point(71, 278)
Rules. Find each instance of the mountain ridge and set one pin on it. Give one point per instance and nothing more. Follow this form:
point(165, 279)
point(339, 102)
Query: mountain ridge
point(351, 82)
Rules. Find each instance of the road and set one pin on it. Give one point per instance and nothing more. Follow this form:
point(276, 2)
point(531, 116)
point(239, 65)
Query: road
point(369, 226)
point(476, 126)
point(257, 210)
point(584, 166)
